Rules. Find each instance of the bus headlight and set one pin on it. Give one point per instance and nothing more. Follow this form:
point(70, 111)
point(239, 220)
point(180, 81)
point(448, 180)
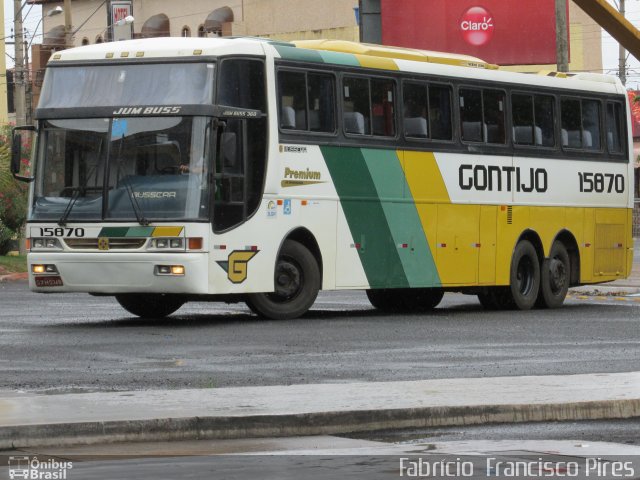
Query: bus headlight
point(177, 270)
point(40, 269)
point(45, 244)
point(173, 243)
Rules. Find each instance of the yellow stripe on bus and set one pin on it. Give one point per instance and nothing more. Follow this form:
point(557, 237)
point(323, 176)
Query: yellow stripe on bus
point(167, 232)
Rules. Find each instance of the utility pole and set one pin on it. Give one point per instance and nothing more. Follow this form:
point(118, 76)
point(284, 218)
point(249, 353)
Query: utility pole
point(18, 77)
point(562, 45)
point(622, 55)
point(68, 25)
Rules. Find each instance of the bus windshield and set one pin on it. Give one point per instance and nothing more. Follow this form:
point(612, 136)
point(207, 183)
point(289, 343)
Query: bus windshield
point(123, 169)
point(126, 85)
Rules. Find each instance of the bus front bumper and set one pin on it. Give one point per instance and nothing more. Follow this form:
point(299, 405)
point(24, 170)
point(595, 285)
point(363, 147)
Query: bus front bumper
point(115, 273)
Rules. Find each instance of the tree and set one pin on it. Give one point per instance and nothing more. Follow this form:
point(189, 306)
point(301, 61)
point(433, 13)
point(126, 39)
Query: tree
point(13, 194)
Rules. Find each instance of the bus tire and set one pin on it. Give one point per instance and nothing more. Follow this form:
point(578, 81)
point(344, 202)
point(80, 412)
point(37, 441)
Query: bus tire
point(150, 305)
point(554, 277)
point(405, 299)
point(524, 276)
point(297, 282)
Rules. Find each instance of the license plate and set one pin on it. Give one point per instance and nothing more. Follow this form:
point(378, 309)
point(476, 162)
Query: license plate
point(48, 282)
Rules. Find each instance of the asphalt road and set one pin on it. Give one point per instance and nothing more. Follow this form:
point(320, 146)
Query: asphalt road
point(76, 342)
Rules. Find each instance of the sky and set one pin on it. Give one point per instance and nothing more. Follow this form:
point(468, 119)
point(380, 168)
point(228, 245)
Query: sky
point(32, 15)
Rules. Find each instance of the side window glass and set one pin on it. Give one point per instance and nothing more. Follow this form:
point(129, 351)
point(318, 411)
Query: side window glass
point(544, 121)
point(383, 107)
point(415, 99)
point(321, 103)
point(614, 127)
point(591, 124)
point(571, 123)
point(471, 115)
point(293, 100)
point(241, 84)
point(522, 112)
point(357, 109)
point(440, 113)
point(493, 127)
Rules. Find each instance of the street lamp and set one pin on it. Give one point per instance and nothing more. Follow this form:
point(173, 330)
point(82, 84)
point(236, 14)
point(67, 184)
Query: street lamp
point(128, 20)
point(51, 13)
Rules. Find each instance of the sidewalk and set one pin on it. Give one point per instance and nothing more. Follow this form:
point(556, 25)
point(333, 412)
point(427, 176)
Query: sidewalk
point(28, 420)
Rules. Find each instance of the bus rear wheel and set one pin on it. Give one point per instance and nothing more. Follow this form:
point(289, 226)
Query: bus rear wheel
point(524, 276)
point(405, 299)
point(150, 305)
point(555, 277)
point(297, 282)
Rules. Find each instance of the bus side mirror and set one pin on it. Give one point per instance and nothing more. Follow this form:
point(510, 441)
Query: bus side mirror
point(16, 153)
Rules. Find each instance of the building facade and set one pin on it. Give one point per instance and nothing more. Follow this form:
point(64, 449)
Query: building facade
point(265, 18)
point(280, 19)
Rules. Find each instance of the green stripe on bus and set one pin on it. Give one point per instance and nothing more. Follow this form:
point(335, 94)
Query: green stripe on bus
point(301, 54)
point(402, 217)
point(339, 58)
point(140, 231)
point(113, 232)
point(365, 216)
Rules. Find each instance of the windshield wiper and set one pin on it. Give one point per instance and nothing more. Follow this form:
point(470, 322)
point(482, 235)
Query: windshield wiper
point(134, 203)
point(76, 194)
point(132, 198)
point(80, 189)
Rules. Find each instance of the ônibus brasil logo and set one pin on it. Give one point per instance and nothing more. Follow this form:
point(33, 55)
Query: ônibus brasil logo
point(476, 25)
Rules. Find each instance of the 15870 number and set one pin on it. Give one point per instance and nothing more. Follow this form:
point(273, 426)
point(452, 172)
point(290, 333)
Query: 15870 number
point(61, 232)
point(601, 182)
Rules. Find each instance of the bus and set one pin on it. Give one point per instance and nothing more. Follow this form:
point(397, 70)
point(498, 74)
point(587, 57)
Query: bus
point(250, 170)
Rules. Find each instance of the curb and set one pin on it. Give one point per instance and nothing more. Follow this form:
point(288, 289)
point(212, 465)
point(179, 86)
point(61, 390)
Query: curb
point(305, 424)
point(14, 277)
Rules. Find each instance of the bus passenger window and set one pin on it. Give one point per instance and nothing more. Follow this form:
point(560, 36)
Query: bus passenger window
point(580, 123)
point(571, 124)
point(591, 124)
point(321, 102)
point(382, 108)
point(440, 112)
point(293, 100)
point(493, 126)
point(471, 115)
point(522, 116)
point(415, 110)
point(544, 114)
point(356, 106)
point(614, 127)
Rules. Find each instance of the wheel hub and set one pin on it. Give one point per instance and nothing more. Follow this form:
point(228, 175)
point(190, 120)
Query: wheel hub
point(287, 279)
point(557, 275)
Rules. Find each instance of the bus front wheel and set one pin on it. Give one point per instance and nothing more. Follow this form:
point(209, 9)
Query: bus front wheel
point(297, 282)
point(150, 305)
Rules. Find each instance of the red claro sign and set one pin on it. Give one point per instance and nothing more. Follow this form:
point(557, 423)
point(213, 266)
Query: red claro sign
point(476, 26)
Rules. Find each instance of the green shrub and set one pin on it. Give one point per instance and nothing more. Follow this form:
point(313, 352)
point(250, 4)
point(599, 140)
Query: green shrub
point(13, 194)
point(6, 236)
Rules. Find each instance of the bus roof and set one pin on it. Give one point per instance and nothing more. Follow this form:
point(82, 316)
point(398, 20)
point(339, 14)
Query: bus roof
point(334, 52)
point(163, 47)
point(395, 53)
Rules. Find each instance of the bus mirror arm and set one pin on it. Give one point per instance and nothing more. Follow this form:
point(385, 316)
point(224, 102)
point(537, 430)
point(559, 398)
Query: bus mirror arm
point(16, 152)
